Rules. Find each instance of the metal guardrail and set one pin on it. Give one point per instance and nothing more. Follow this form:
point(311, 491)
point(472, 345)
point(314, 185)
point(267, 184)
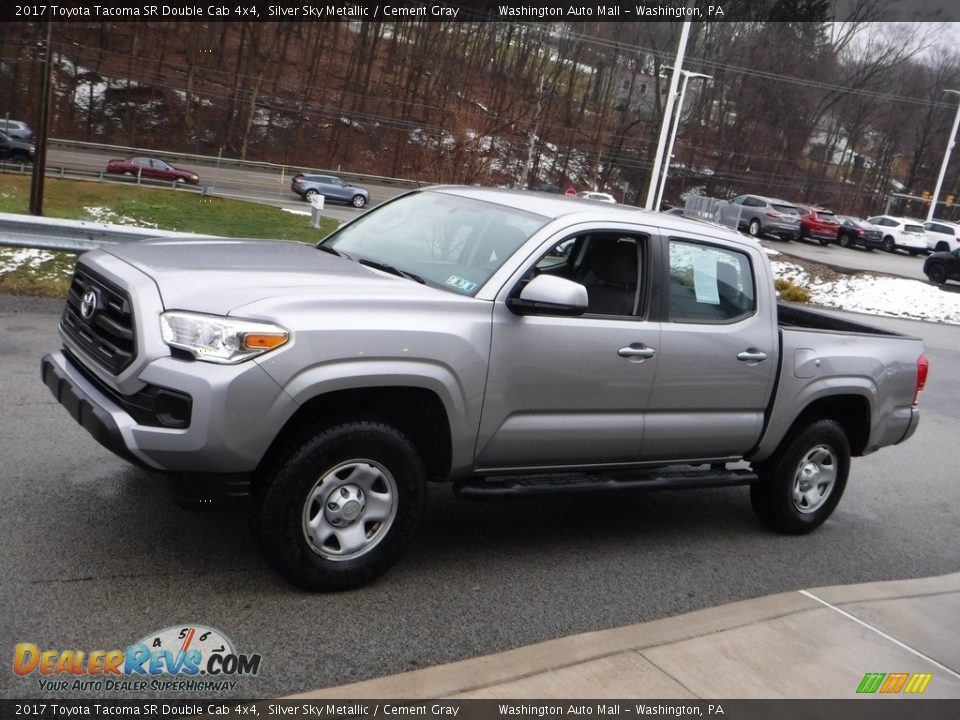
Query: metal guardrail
point(75, 236)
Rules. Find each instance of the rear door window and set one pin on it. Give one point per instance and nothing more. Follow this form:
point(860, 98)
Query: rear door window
point(709, 283)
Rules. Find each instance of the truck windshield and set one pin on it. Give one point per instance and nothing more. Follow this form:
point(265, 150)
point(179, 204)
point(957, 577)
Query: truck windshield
point(451, 242)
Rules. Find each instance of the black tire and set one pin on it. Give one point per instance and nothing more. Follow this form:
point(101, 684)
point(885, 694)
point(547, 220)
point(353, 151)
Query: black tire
point(328, 483)
point(311, 193)
point(21, 157)
point(843, 240)
point(942, 247)
point(754, 228)
point(817, 458)
point(937, 273)
point(358, 201)
point(888, 244)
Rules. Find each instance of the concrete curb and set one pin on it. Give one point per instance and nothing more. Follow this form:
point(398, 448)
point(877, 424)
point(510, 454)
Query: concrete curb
point(794, 644)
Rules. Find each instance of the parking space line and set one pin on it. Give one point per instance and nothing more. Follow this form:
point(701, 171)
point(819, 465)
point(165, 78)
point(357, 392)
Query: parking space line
point(879, 632)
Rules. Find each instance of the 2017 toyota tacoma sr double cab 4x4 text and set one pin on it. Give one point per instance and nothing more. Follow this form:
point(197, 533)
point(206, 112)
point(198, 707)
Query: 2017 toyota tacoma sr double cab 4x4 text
point(506, 342)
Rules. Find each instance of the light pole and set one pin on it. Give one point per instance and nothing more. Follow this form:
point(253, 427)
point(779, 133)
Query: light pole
point(667, 115)
point(946, 159)
point(673, 132)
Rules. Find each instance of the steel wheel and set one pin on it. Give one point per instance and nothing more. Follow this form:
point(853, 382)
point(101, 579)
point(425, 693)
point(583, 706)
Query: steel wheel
point(814, 479)
point(350, 509)
point(337, 507)
point(802, 482)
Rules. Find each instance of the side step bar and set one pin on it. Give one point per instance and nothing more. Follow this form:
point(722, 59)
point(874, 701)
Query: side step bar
point(561, 483)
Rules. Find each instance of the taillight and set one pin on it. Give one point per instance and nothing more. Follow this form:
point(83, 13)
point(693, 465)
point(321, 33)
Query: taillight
point(923, 367)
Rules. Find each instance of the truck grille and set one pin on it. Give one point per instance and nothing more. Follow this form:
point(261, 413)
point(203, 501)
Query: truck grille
point(107, 334)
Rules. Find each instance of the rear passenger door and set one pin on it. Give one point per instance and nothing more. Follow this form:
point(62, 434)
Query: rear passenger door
point(717, 354)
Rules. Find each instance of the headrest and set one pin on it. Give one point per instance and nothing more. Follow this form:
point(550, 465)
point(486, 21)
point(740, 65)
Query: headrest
point(615, 262)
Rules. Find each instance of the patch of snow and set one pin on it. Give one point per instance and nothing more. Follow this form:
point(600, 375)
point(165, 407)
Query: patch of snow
point(13, 258)
point(876, 295)
point(106, 215)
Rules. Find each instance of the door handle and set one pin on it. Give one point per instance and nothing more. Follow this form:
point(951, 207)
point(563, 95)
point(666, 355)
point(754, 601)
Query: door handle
point(752, 355)
point(637, 350)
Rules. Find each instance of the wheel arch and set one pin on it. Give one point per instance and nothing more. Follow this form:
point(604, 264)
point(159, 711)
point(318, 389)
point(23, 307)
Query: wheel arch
point(417, 412)
point(851, 411)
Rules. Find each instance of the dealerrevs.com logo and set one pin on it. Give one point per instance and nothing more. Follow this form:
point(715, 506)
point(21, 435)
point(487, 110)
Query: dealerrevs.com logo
point(184, 658)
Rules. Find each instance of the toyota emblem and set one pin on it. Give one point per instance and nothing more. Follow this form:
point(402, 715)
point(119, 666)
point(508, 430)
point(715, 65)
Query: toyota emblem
point(88, 306)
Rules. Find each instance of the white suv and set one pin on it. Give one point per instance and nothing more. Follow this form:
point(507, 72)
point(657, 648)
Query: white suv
point(942, 236)
point(901, 233)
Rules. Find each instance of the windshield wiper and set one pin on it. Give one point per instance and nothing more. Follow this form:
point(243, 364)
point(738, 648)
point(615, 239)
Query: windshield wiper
point(392, 270)
point(333, 251)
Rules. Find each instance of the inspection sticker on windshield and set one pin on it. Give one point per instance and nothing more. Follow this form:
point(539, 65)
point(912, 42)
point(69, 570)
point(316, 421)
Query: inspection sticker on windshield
point(461, 284)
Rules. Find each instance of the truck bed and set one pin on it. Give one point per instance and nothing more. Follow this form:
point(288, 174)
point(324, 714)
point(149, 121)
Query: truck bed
point(800, 318)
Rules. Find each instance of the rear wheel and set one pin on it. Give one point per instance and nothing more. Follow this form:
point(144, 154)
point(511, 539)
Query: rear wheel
point(801, 484)
point(888, 245)
point(338, 510)
point(754, 228)
point(844, 240)
point(937, 273)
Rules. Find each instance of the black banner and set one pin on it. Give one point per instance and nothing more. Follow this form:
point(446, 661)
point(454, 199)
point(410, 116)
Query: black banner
point(464, 10)
point(865, 709)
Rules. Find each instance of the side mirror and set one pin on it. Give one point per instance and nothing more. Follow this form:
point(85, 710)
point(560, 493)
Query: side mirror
point(550, 295)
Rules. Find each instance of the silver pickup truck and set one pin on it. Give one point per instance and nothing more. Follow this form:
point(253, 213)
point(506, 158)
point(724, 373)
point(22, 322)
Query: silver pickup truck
point(506, 342)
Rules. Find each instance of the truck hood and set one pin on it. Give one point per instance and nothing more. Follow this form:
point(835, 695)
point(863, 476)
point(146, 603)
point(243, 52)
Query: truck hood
point(217, 275)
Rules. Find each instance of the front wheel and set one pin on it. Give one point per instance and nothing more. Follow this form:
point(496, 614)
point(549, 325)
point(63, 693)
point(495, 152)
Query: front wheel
point(754, 228)
point(801, 484)
point(338, 510)
point(358, 201)
point(844, 241)
point(937, 273)
point(888, 245)
point(824, 241)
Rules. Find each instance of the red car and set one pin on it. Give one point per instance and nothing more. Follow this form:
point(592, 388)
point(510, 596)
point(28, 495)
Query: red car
point(818, 224)
point(151, 168)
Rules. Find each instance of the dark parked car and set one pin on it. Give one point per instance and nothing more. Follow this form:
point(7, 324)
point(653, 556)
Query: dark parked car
point(942, 266)
point(818, 224)
point(854, 231)
point(331, 187)
point(151, 168)
point(15, 150)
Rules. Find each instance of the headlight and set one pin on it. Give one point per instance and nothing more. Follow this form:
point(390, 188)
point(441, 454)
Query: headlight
point(218, 339)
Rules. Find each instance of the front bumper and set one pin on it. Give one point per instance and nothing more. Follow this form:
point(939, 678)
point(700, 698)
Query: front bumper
point(237, 411)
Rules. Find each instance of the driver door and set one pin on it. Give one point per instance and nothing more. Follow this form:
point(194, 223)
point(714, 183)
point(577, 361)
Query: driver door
point(572, 390)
